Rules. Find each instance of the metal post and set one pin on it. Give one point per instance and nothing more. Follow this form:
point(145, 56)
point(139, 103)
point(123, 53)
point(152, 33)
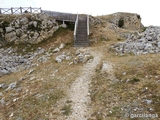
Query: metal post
point(0, 11)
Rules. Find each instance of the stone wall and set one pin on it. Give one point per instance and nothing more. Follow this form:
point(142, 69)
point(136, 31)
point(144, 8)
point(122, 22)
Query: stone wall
point(131, 20)
point(26, 28)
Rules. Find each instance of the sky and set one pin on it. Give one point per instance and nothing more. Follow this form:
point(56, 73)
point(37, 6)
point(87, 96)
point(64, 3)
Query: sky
point(147, 9)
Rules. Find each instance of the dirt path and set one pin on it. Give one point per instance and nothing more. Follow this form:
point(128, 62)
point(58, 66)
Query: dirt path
point(79, 93)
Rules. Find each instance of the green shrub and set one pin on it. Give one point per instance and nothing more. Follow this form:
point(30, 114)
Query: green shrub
point(138, 16)
point(143, 29)
point(134, 80)
point(121, 23)
point(66, 109)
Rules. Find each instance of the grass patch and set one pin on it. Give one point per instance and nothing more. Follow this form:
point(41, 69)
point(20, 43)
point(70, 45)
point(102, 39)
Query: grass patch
point(110, 94)
point(62, 35)
point(66, 109)
point(134, 80)
point(43, 96)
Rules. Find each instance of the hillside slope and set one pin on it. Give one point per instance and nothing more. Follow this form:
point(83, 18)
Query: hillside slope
point(63, 82)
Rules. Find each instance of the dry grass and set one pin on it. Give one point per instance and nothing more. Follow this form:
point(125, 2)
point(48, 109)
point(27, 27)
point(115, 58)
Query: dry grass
point(136, 79)
point(39, 98)
point(43, 97)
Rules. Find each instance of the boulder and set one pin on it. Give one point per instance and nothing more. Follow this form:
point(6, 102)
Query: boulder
point(58, 60)
point(24, 21)
point(24, 37)
point(61, 46)
point(9, 29)
point(35, 23)
point(3, 86)
point(12, 86)
point(147, 43)
point(17, 25)
point(2, 101)
point(11, 37)
point(43, 16)
point(158, 37)
point(3, 72)
point(82, 57)
point(18, 32)
point(56, 50)
point(158, 44)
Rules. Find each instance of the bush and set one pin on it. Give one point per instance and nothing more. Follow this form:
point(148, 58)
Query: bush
point(33, 28)
point(121, 23)
point(4, 25)
point(134, 80)
point(66, 109)
point(138, 16)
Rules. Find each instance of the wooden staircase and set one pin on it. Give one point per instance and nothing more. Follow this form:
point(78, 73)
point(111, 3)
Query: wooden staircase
point(81, 35)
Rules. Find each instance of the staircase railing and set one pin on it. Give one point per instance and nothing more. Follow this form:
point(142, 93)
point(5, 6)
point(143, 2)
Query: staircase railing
point(87, 24)
point(88, 27)
point(75, 28)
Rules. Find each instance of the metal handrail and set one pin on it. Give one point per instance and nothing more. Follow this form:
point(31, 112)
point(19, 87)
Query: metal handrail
point(87, 24)
point(75, 27)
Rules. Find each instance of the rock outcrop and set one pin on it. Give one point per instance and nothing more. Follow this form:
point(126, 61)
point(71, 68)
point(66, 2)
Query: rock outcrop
point(143, 43)
point(26, 28)
point(124, 20)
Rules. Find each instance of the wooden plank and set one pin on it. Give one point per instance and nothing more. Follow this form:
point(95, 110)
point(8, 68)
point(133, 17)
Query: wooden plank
point(21, 10)
point(57, 15)
point(11, 10)
point(31, 9)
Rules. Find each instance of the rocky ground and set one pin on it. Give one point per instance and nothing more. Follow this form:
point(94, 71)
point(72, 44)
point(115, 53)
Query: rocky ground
point(141, 43)
point(79, 93)
point(106, 81)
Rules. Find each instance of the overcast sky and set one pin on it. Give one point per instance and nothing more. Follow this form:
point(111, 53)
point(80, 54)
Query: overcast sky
point(147, 9)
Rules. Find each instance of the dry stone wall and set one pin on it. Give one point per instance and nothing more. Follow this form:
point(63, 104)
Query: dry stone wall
point(125, 20)
point(27, 28)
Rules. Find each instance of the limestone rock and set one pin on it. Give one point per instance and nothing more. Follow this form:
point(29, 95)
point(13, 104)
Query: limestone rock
point(3, 72)
point(9, 29)
point(56, 50)
point(31, 29)
point(143, 43)
point(35, 23)
point(2, 101)
point(131, 20)
point(10, 37)
point(12, 86)
point(24, 21)
point(82, 57)
point(3, 86)
point(58, 60)
point(61, 46)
